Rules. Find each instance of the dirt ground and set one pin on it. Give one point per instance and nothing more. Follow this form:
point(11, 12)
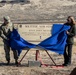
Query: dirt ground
point(23, 69)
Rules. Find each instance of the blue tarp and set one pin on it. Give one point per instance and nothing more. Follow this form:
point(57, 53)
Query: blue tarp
point(18, 43)
point(55, 43)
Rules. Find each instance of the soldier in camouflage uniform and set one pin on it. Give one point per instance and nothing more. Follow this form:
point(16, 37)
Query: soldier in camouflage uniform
point(5, 31)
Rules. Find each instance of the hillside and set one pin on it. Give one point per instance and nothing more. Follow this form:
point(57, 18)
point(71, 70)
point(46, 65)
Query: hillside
point(39, 10)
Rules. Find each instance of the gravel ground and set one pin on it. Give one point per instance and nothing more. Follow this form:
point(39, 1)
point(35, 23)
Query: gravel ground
point(23, 69)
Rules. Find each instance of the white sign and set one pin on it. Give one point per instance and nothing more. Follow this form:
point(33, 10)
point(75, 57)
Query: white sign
point(35, 32)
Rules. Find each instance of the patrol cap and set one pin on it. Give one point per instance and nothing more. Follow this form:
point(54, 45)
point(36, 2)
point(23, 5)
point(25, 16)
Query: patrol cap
point(7, 18)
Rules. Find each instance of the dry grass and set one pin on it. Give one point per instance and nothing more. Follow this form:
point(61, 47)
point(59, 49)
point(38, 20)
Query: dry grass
point(24, 70)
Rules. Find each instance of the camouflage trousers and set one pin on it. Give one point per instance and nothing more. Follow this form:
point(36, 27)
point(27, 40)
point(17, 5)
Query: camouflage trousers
point(7, 53)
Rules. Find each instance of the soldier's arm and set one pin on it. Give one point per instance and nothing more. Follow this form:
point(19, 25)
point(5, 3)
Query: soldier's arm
point(1, 34)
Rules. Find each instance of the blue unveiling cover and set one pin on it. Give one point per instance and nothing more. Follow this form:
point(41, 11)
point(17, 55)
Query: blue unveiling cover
point(55, 43)
point(18, 43)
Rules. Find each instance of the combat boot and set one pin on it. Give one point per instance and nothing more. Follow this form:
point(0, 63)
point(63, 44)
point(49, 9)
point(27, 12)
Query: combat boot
point(8, 62)
point(16, 62)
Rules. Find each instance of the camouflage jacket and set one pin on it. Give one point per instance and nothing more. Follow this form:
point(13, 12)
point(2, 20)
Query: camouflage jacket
point(5, 31)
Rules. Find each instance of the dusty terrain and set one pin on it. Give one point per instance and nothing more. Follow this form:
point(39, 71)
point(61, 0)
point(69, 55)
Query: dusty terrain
point(39, 10)
point(23, 69)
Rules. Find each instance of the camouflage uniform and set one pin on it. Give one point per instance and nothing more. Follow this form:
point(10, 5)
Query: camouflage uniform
point(5, 31)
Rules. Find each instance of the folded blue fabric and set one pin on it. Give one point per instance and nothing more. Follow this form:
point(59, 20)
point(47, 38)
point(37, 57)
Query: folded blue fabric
point(55, 43)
